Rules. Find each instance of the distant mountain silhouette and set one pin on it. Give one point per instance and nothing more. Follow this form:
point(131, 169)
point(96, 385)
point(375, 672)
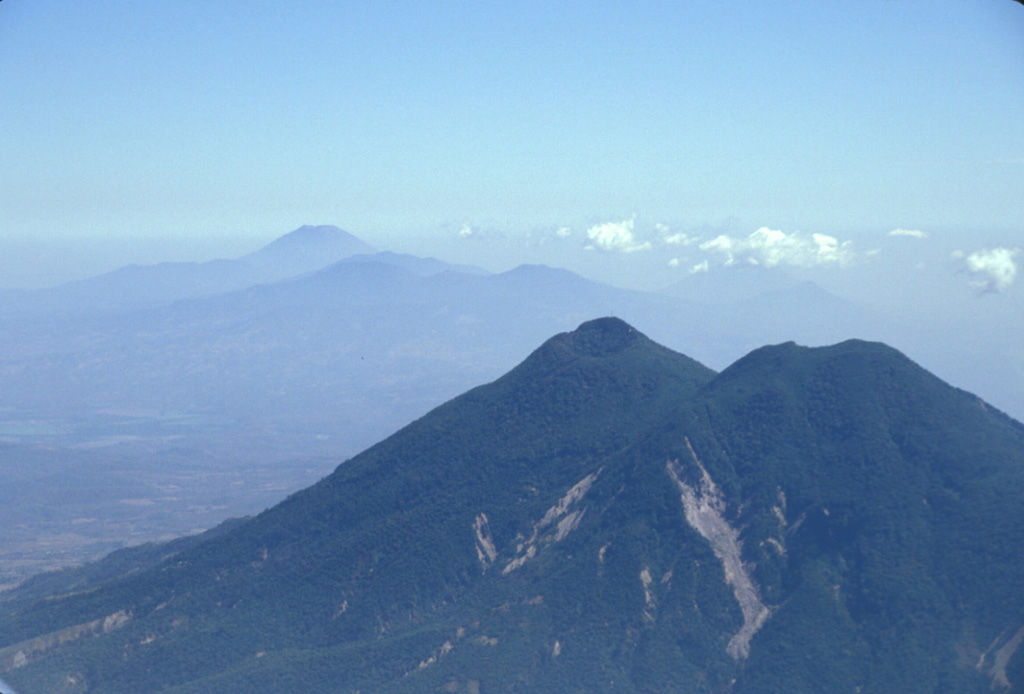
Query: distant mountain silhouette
point(306, 249)
point(424, 267)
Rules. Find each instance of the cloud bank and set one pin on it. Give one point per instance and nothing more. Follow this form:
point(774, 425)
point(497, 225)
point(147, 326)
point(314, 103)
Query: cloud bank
point(770, 247)
point(615, 236)
point(911, 233)
point(995, 269)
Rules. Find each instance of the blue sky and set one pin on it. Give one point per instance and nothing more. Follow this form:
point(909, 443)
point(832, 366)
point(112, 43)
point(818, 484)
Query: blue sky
point(575, 134)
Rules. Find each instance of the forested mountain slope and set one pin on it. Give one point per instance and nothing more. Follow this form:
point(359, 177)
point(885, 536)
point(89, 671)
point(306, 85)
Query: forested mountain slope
point(608, 516)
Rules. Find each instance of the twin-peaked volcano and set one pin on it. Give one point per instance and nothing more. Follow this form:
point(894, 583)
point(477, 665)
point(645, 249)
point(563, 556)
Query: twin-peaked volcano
point(608, 516)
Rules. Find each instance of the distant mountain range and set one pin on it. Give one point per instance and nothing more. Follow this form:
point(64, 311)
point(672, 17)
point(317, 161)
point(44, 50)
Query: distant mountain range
point(609, 516)
point(306, 249)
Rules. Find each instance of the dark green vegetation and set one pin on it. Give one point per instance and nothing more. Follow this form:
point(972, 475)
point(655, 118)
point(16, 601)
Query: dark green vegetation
point(610, 516)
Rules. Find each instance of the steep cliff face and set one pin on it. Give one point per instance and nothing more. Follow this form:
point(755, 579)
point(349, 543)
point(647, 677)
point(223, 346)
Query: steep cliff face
point(608, 517)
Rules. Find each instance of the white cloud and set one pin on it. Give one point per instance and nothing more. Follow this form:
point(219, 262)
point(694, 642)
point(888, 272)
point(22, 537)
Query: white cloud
point(563, 232)
point(829, 250)
point(722, 244)
point(911, 233)
point(615, 236)
point(995, 269)
point(702, 266)
point(466, 231)
point(680, 239)
point(770, 247)
point(677, 239)
point(674, 262)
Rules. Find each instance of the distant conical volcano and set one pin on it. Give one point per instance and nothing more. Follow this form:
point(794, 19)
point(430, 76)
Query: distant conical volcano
point(609, 516)
point(309, 248)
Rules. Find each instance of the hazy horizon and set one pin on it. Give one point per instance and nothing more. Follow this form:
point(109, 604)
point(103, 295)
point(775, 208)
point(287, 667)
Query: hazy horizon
point(899, 270)
point(613, 141)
